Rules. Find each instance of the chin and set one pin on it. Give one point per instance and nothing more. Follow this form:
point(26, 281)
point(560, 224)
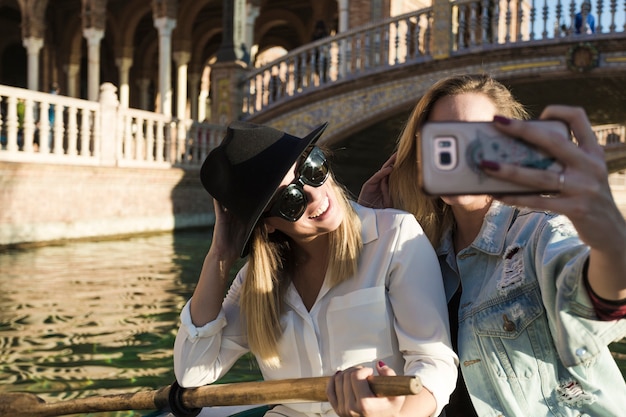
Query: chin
point(466, 200)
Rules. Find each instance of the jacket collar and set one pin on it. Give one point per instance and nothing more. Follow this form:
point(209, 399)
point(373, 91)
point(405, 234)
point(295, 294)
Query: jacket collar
point(492, 236)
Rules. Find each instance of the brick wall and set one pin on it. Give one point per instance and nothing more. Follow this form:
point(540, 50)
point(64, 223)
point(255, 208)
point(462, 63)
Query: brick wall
point(43, 203)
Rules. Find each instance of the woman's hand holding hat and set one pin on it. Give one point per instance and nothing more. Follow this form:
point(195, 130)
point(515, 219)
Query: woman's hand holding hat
point(226, 232)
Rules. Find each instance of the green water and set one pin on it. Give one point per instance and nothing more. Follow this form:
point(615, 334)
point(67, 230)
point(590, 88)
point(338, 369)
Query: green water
point(97, 318)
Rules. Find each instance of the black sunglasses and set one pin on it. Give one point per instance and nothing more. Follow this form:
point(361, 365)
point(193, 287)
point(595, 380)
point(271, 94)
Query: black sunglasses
point(290, 203)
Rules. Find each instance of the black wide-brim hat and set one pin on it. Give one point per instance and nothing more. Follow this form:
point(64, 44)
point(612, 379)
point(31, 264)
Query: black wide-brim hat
point(245, 170)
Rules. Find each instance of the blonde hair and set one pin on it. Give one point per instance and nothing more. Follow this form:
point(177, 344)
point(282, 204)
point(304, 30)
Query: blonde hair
point(432, 213)
point(271, 264)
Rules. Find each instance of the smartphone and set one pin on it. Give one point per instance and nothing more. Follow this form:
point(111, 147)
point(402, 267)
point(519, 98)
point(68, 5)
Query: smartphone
point(450, 153)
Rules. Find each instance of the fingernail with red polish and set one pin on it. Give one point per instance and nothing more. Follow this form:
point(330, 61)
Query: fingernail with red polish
point(491, 165)
point(502, 120)
point(381, 364)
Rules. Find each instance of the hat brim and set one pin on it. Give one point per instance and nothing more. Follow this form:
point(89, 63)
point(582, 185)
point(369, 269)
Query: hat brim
point(303, 144)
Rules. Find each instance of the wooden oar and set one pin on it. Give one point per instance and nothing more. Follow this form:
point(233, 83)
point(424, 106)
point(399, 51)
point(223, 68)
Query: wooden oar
point(242, 393)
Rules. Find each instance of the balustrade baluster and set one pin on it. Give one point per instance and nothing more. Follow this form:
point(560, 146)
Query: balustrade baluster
point(161, 152)
point(150, 154)
point(520, 20)
point(462, 24)
point(72, 131)
point(473, 24)
point(44, 128)
point(28, 130)
point(84, 133)
point(599, 28)
point(507, 36)
point(484, 22)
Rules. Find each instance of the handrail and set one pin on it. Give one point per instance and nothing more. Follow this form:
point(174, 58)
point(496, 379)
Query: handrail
point(474, 25)
point(48, 128)
point(104, 133)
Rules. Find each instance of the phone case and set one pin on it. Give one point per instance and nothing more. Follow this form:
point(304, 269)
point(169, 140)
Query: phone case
point(450, 153)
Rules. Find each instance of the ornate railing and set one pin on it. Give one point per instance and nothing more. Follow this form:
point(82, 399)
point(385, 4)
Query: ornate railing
point(40, 127)
point(47, 128)
point(473, 26)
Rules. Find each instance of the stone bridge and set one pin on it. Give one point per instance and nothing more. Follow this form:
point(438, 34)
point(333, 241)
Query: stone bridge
point(374, 75)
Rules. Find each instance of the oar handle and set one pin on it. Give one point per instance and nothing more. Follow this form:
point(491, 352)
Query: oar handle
point(289, 391)
point(242, 393)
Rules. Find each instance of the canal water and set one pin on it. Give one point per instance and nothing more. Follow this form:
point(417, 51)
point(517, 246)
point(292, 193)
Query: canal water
point(97, 318)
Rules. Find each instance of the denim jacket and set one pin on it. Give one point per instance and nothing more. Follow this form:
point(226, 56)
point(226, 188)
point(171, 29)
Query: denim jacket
point(529, 340)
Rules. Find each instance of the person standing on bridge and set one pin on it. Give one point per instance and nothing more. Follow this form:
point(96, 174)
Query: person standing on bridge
point(330, 288)
point(584, 22)
point(534, 297)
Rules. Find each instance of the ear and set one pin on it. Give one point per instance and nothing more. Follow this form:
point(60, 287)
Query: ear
point(268, 228)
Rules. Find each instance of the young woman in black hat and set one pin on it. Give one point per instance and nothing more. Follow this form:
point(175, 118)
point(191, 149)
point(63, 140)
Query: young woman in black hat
point(329, 287)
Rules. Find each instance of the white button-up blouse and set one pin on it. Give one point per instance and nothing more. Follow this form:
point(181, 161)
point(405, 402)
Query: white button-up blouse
point(393, 310)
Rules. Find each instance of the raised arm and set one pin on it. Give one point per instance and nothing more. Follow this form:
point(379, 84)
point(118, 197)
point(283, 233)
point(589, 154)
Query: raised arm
point(585, 195)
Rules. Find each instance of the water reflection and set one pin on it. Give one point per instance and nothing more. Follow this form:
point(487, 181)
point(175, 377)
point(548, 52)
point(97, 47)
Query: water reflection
point(95, 318)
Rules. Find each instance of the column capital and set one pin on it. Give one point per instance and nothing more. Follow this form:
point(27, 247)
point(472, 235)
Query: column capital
point(164, 8)
point(165, 25)
point(124, 63)
point(93, 35)
point(182, 57)
point(32, 44)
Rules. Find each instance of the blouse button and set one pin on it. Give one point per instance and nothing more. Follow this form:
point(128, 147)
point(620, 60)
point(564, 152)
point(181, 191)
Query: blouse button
point(581, 352)
point(508, 326)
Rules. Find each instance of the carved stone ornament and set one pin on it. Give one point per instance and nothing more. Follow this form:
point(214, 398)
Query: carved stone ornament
point(582, 57)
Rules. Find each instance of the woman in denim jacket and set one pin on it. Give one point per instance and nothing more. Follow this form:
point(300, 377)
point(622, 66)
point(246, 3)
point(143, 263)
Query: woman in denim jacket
point(536, 284)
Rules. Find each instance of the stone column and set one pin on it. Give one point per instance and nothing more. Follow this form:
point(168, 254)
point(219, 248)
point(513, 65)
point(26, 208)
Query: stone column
point(441, 37)
point(165, 26)
point(72, 71)
point(194, 87)
point(226, 51)
point(93, 37)
point(226, 92)
point(123, 65)
point(182, 60)
point(343, 15)
point(33, 46)
point(253, 13)
point(109, 118)
point(143, 84)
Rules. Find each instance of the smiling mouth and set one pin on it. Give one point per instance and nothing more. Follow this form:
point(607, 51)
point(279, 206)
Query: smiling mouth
point(321, 209)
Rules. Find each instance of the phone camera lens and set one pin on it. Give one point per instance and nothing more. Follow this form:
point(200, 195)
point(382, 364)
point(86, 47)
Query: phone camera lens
point(445, 158)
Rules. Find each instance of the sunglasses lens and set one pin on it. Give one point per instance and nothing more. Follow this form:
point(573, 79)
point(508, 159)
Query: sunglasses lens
point(314, 170)
point(292, 203)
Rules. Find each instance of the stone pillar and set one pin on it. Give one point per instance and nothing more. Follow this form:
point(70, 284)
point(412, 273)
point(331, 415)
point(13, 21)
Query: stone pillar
point(441, 36)
point(194, 87)
point(72, 71)
point(226, 92)
point(33, 46)
point(239, 27)
point(123, 65)
point(226, 51)
point(343, 15)
point(253, 13)
point(165, 26)
point(108, 113)
point(182, 60)
point(93, 37)
point(143, 84)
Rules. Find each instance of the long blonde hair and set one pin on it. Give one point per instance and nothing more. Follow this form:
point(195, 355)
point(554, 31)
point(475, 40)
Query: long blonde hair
point(431, 212)
point(271, 264)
